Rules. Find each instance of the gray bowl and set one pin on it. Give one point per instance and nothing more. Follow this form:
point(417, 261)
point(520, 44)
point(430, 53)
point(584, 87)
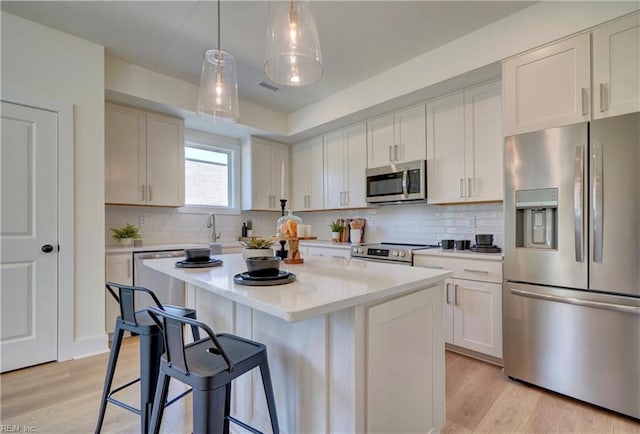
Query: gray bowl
point(263, 266)
point(197, 255)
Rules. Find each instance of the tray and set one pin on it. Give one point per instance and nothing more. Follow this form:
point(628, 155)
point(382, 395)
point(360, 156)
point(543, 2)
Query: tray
point(199, 264)
point(284, 277)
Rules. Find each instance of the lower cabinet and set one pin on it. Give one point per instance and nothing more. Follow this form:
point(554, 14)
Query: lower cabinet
point(118, 269)
point(310, 251)
point(473, 302)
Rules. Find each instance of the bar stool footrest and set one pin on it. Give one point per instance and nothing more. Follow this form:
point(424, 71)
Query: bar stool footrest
point(243, 425)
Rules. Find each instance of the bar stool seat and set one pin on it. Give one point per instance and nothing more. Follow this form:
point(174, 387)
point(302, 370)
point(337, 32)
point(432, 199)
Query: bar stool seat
point(151, 348)
point(208, 366)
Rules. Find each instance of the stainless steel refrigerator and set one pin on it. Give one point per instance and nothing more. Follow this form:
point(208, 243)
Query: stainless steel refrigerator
point(571, 296)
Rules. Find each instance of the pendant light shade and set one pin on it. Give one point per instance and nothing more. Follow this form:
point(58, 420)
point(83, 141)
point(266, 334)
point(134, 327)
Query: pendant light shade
point(218, 92)
point(293, 56)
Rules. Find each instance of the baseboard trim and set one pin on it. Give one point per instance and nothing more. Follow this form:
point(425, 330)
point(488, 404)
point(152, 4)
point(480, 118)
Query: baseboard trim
point(90, 346)
point(474, 354)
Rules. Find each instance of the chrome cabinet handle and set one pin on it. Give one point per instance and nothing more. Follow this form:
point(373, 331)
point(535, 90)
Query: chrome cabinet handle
point(577, 203)
point(578, 302)
point(603, 98)
point(470, 270)
point(395, 152)
point(149, 188)
point(460, 187)
point(585, 101)
point(128, 267)
point(469, 187)
point(447, 285)
point(142, 187)
point(390, 156)
point(455, 294)
point(597, 202)
point(346, 198)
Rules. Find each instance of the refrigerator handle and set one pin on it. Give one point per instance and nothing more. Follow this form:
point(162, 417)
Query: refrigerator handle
point(597, 202)
point(577, 203)
point(578, 301)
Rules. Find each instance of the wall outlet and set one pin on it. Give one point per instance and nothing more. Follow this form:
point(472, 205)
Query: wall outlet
point(471, 222)
point(143, 221)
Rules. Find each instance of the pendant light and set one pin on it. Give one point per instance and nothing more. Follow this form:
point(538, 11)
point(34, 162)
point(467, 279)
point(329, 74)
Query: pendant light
point(218, 92)
point(293, 56)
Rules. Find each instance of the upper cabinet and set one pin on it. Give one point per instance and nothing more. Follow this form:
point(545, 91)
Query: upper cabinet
point(144, 158)
point(551, 86)
point(261, 174)
point(345, 165)
point(464, 143)
point(397, 138)
point(307, 175)
point(616, 67)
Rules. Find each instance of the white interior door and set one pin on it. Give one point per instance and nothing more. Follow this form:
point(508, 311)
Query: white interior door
point(29, 278)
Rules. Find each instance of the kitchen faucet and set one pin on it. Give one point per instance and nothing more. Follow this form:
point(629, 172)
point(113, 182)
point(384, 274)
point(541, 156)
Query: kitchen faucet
point(211, 224)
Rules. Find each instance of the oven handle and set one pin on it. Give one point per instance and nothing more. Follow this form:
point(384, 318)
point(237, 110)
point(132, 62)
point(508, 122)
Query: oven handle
point(386, 261)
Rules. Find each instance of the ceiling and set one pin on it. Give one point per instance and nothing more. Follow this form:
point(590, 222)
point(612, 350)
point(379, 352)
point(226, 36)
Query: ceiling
point(359, 39)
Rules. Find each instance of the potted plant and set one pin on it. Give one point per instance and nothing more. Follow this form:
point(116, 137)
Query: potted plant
point(256, 247)
point(249, 224)
point(126, 234)
point(336, 230)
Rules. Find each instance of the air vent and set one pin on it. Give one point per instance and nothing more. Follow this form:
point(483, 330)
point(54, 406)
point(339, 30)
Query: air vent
point(268, 86)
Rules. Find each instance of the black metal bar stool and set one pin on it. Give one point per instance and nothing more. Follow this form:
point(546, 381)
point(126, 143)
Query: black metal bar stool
point(151, 348)
point(208, 366)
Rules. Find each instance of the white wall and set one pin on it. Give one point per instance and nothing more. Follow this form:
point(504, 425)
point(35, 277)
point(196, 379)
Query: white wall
point(40, 62)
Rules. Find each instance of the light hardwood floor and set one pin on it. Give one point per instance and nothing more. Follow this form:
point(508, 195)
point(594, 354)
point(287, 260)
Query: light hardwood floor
point(64, 398)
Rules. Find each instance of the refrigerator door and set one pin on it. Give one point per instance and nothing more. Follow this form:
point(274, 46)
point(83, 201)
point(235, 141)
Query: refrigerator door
point(614, 222)
point(545, 205)
point(579, 343)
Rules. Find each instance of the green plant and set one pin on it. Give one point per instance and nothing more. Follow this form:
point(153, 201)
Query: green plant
point(257, 243)
point(335, 226)
point(127, 231)
point(249, 224)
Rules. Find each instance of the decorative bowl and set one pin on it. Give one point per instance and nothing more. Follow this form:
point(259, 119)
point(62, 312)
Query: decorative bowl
point(263, 266)
point(197, 255)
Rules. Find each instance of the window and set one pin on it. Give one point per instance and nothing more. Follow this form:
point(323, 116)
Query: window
point(211, 170)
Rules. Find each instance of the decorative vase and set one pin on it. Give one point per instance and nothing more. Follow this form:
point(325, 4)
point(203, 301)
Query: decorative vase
point(356, 236)
point(125, 241)
point(335, 236)
point(255, 253)
point(249, 232)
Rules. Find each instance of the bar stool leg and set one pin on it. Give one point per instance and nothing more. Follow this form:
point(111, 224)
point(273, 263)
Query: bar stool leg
point(268, 392)
point(227, 408)
point(208, 414)
point(111, 369)
point(151, 347)
point(162, 391)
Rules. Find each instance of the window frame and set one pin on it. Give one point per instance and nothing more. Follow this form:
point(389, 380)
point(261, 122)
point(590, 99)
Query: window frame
point(213, 142)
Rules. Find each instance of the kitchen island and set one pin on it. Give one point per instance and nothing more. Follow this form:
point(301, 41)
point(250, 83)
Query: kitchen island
point(353, 346)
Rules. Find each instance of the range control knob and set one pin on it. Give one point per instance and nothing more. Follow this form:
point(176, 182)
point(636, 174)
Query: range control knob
point(394, 253)
point(402, 254)
point(354, 250)
point(360, 250)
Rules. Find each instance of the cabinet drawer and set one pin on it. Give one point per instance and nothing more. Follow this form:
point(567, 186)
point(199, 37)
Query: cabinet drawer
point(470, 269)
point(328, 252)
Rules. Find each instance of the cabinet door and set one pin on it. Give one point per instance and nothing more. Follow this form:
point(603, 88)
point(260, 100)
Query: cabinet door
point(334, 157)
point(262, 173)
point(125, 153)
point(299, 175)
point(315, 174)
point(483, 143)
point(477, 323)
point(616, 67)
point(165, 160)
point(279, 153)
point(118, 269)
point(355, 141)
point(380, 141)
point(405, 364)
point(410, 138)
point(547, 87)
point(445, 143)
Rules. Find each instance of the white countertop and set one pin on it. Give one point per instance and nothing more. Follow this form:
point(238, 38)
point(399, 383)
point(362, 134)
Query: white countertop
point(322, 285)
point(162, 246)
point(464, 254)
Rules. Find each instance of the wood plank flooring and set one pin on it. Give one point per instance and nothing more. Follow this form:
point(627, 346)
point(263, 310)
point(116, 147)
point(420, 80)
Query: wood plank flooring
point(64, 398)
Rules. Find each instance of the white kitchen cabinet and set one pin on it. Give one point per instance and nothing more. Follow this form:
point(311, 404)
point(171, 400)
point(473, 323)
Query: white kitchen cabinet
point(261, 174)
point(464, 144)
point(144, 158)
point(307, 174)
point(345, 166)
point(552, 86)
point(473, 302)
point(118, 269)
point(327, 252)
point(397, 137)
point(616, 67)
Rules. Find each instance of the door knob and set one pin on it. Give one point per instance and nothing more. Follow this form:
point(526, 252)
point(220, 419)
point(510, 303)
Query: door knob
point(47, 248)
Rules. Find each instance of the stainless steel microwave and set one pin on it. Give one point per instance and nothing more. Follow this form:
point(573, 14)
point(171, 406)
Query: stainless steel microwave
point(396, 183)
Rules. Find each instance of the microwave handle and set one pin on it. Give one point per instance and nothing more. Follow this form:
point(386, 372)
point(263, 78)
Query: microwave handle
point(405, 183)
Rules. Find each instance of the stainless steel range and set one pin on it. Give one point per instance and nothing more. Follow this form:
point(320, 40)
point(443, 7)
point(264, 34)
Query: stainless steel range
point(388, 252)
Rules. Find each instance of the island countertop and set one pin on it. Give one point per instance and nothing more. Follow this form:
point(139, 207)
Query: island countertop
point(322, 285)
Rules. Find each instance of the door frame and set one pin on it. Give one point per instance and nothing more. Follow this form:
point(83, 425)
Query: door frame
point(66, 278)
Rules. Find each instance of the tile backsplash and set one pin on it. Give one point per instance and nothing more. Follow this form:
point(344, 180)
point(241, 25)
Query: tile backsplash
point(417, 223)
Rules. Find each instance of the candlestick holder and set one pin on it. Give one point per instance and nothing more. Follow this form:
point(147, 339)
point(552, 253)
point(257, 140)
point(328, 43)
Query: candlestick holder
point(282, 253)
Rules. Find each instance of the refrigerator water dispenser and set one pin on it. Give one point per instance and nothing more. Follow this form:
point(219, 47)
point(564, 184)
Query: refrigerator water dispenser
point(536, 218)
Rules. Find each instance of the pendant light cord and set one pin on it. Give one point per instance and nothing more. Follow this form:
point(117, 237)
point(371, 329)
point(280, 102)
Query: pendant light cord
point(219, 47)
